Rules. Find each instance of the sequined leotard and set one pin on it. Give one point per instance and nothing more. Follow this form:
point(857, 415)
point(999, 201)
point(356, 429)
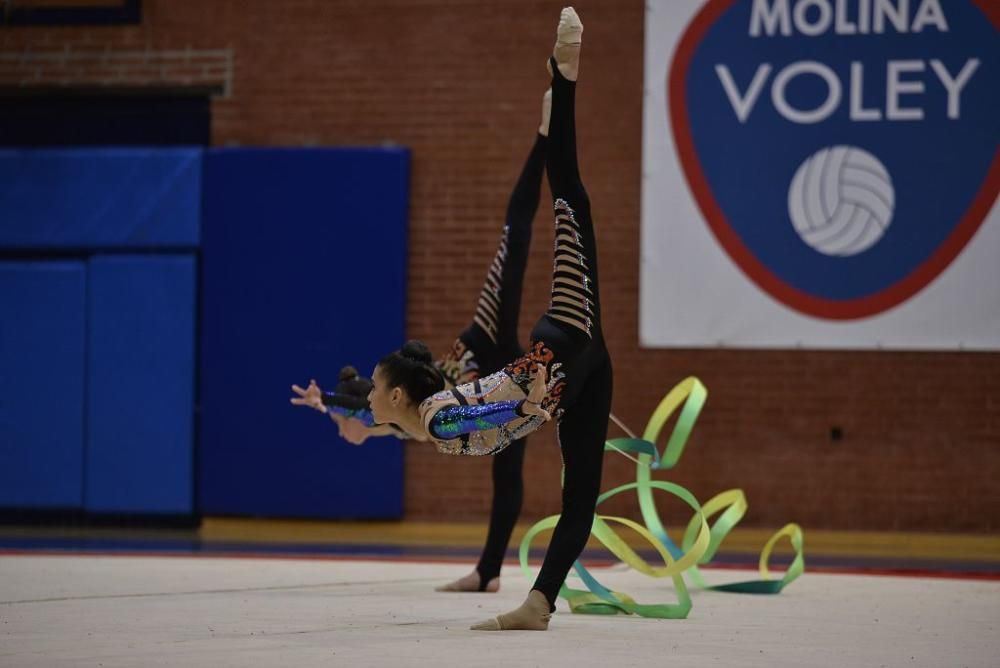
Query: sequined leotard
point(478, 418)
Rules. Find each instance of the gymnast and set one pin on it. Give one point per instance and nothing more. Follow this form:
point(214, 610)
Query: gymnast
point(485, 346)
point(566, 373)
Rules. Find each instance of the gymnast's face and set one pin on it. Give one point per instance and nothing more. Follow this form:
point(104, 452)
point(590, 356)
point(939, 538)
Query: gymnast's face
point(387, 403)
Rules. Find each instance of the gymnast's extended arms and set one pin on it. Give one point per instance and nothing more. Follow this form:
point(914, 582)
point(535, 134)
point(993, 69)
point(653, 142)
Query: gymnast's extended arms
point(341, 408)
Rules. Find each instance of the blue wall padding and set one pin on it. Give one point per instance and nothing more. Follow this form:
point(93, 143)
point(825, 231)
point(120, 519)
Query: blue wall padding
point(100, 198)
point(42, 318)
point(140, 382)
point(304, 266)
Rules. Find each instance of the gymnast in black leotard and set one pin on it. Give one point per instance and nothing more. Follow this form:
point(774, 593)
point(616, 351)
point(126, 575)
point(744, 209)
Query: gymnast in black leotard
point(485, 346)
point(566, 374)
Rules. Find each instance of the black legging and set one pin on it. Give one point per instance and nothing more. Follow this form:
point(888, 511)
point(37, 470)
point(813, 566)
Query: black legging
point(569, 335)
point(492, 340)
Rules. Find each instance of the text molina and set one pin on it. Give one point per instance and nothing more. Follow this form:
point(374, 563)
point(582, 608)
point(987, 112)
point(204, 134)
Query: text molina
point(815, 17)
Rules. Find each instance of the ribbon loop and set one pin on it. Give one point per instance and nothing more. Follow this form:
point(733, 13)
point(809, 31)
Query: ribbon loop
point(701, 540)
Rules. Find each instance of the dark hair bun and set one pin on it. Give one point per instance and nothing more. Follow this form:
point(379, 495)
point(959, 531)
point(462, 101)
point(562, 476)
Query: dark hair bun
point(410, 367)
point(416, 351)
point(353, 385)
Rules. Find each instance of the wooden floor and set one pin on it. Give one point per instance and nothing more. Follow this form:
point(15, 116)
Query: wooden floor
point(855, 543)
point(924, 554)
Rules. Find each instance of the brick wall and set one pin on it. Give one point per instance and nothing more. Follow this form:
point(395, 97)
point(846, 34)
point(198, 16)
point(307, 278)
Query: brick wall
point(459, 82)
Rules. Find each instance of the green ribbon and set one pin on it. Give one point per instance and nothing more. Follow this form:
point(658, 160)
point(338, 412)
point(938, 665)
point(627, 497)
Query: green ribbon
point(701, 540)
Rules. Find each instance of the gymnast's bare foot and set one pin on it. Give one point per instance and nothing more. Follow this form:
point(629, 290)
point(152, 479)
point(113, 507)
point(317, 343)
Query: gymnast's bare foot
point(532, 615)
point(471, 582)
point(569, 36)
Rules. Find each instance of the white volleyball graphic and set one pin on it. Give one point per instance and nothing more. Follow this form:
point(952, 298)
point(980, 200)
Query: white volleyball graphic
point(841, 200)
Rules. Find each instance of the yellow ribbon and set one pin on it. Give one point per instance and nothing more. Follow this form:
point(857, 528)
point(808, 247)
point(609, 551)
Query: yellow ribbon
point(700, 542)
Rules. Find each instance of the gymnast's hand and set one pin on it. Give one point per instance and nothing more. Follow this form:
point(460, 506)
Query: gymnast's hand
point(311, 396)
point(536, 392)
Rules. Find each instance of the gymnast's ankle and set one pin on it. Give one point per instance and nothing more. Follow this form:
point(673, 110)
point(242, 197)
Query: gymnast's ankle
point(473, 582)
point(543, 128)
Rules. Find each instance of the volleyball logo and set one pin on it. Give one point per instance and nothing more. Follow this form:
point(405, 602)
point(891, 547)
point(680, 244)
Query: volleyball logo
point(841, 200)
point(842, 153)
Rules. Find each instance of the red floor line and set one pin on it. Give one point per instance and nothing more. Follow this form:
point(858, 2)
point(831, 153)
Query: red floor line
point(828, 570)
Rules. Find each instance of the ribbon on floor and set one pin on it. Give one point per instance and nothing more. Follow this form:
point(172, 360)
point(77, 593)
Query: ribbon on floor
point(701, 540)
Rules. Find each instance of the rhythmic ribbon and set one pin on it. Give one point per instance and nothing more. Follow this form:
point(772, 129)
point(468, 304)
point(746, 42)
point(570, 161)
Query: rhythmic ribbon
point(701, 540)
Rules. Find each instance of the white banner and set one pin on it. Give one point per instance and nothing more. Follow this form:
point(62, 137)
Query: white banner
point(821, 174)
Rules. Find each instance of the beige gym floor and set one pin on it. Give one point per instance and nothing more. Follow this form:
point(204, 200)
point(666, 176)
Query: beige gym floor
point(73, 610)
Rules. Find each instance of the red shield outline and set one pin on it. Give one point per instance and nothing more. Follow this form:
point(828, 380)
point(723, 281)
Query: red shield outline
point(760, 274)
